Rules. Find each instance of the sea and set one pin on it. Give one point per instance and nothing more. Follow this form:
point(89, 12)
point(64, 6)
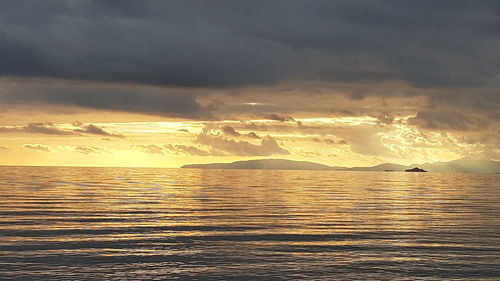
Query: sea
point(71, 223)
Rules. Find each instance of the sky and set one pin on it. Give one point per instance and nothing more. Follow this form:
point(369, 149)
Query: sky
point(167, 83)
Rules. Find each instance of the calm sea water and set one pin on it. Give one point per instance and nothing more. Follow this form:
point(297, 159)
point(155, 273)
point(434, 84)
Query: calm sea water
point(167, 224)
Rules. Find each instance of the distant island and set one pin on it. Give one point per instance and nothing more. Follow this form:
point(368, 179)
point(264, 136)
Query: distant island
point(416, 170)
point(264, 164)
point(464, 165)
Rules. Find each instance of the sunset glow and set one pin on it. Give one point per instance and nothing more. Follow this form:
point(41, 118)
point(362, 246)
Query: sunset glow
point(238, 96)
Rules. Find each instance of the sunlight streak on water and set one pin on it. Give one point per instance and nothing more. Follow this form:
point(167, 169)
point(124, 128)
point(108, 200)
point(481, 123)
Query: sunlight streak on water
point(147, 224)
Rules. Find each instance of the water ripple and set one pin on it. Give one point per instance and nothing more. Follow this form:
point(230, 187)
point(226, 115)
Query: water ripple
point(162, 224)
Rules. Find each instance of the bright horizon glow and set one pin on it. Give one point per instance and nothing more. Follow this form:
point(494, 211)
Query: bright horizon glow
point(143, 143)
point(165, 84)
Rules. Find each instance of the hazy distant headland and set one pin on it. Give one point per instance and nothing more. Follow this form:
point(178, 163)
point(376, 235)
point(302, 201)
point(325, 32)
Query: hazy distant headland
point(464, 165)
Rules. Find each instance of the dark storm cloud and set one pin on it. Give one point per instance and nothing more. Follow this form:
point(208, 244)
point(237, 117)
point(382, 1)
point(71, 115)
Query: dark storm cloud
point(3, 148)
point(130, 98)
point(233, 43)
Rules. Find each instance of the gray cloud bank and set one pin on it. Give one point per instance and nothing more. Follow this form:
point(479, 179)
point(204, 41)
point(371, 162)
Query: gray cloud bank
point(102, 96)
point(48, 128)
point(232, 43)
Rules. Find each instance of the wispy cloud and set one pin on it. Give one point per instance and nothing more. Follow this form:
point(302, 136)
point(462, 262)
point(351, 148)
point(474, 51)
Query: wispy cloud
point(49, 128)
point(38, 147)
point(37, 128)
point(88, 149)
point(183, 149)
point(95, 130)
point(150, 148)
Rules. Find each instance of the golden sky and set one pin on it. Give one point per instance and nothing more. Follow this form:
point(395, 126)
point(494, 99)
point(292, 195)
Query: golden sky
point(163, 84)
point(329, 128)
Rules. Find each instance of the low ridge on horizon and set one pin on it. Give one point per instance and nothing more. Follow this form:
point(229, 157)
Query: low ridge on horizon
point(463, 165)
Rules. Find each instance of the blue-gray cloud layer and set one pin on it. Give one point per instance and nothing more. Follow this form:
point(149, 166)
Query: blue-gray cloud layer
point(231, 43)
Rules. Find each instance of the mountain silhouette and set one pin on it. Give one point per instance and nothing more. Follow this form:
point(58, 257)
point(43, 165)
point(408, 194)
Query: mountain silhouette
point(464, 165)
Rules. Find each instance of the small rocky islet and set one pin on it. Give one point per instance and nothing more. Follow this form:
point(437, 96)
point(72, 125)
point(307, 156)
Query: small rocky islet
point(416, 170)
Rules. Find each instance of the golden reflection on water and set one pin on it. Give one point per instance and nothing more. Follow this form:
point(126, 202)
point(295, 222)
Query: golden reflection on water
point(247, 224)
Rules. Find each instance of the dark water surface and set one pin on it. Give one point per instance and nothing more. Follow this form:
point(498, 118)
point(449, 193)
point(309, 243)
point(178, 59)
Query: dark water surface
point(167, 224)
